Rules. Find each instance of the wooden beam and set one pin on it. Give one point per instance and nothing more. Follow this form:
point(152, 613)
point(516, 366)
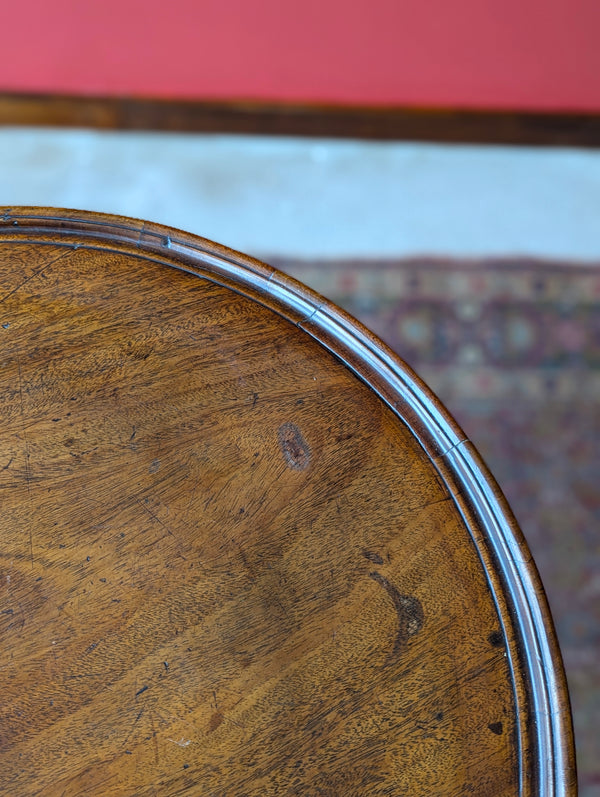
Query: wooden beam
point(279, 118)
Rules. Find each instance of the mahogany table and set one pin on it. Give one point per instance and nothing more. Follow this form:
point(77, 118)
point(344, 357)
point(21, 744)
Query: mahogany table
point(244, 550)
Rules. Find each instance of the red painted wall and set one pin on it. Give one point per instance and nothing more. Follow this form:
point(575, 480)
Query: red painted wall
point(535, 54)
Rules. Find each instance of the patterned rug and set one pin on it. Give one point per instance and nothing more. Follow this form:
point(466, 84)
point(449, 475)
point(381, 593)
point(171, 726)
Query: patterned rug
point(512, 348)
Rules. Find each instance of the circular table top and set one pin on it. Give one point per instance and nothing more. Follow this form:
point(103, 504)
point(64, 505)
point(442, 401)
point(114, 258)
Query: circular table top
point(244, 550)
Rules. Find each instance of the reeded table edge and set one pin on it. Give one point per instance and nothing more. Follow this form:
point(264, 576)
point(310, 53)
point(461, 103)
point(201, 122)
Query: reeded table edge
point(545, 744)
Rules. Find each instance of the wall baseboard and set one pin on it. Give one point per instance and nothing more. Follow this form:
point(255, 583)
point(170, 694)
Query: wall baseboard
point(330, 121)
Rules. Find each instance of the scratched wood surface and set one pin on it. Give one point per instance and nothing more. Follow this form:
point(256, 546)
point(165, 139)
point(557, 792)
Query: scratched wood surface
point(226, 567)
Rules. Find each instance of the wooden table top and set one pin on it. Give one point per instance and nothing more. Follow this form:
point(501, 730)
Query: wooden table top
point(244, 551)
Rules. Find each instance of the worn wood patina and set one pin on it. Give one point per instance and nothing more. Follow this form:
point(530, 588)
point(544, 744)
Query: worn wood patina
point(244, 551)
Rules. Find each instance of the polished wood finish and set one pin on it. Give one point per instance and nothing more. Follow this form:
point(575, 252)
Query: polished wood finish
point(244, 550)
point(387, 123)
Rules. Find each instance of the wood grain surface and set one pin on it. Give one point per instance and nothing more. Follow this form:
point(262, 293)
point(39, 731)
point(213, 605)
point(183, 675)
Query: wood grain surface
point(229, 564)
point(392, 123)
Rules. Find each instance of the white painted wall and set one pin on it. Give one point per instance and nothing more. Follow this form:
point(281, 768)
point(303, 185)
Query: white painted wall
point(319, 198)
